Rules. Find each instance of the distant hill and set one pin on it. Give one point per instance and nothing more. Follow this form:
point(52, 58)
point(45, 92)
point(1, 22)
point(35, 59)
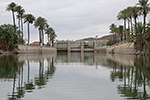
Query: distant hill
point(106, 37)
point(87, 39)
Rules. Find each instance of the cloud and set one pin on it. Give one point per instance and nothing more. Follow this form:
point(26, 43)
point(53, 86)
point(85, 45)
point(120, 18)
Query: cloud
point(71, 19)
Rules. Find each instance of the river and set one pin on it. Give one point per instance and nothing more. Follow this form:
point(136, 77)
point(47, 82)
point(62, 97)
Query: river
point(74, 76)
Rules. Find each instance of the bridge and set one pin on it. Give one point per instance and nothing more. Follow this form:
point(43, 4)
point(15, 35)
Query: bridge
point(76, 46)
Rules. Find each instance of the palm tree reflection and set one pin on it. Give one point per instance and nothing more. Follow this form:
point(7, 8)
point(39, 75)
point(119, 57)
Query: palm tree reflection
point(50, 68)
point(43, 77)
point(20, 88)
point(135, 78)
point(29, 86)
point(40, 81)
point(12, 69)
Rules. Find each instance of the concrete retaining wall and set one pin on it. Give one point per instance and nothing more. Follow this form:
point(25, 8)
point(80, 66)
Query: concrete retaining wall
point(24, 49)
point(23, 57)
point(122, 49)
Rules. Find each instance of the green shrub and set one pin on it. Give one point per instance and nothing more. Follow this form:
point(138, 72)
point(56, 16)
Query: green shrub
point(8, 39)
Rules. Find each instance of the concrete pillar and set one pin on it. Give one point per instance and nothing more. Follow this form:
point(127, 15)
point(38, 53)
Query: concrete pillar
point(82, 47)
point(69, 48)
point(69, 56)
point(95, 51)
point(55, 44)
point(82, 57)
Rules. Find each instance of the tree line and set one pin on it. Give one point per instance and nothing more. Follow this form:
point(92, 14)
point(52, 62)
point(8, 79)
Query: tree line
point(40, 23)
point(133, 31)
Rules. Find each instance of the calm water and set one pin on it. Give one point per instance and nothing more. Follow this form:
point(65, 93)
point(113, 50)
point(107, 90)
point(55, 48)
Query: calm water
point(74, 76)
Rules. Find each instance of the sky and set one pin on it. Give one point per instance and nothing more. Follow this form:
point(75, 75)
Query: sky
point(71, 19)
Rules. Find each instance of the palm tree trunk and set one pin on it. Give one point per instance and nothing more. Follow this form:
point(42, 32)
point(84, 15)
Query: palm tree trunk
point(121, 36)
point(131, 26)
point(42, 37)
point(22, 30)
point(144, 21)
point(135, 20)
point(19, 29)
point(14, 22)
point(28, 34)
point(52, 43)
point(128, 33)
point(115, 38)
point(125, 29)
point(49, 39)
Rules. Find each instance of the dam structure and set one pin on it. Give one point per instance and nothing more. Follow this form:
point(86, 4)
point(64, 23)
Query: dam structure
point(75, 46)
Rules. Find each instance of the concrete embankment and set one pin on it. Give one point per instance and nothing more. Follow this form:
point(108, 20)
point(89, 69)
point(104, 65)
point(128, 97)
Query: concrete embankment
point(23, 57)
point(118, 49)
point(24, 49)
point(122, 49)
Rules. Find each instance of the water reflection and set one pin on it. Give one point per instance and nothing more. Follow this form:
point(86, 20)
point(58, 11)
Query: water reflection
point(78, 58)
point(12, 69)
point(132, 72)
point(136, 78)
point(29, 85)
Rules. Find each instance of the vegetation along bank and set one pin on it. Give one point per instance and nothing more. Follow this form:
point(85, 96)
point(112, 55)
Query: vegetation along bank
point(12, 35)
point(133, 31)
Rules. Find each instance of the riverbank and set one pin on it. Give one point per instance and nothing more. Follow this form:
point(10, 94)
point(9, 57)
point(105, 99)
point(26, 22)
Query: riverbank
point(25, 49)
point(35, 57)
point(124, 48)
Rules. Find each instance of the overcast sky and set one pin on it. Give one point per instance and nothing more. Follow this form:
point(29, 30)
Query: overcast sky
point(71, 19)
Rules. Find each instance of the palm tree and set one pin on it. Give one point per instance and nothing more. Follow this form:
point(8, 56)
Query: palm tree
point(145, 9)
point(128, 34)
point(130, 16)
point(52, 37)
point(136, 13)
point(18, 10)
point(141, 37)
point(120, 30)
point(41, 24)
point(49, 31)
point(29, 18)
point(112, 30)
point(22, 16)
point(11, 7)
point(116, 30)
point(123, 15)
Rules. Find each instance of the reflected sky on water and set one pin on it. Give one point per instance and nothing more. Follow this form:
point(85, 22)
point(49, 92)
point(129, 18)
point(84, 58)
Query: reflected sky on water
point(74, 76)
